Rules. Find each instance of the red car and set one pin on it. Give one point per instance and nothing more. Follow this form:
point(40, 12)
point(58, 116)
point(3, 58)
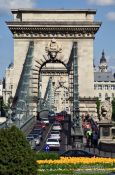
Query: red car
point(59, 118)
point(40, 125)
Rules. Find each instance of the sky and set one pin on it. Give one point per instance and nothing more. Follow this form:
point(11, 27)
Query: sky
point(104, 40)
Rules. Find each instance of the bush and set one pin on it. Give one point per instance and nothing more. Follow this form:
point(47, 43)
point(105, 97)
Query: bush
point(16, 156)
point(46, 155)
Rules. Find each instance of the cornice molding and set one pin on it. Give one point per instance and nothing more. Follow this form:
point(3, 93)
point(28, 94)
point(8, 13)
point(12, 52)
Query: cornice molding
point(59, 32)
point(21, 10)
point(54, 23)
point(49, 29)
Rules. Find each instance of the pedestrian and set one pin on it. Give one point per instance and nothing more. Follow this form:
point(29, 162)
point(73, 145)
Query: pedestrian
point(95, 139)
point(88, 137)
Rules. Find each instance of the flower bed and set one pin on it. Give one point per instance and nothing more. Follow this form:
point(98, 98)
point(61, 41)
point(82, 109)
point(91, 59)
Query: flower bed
point(73, 165)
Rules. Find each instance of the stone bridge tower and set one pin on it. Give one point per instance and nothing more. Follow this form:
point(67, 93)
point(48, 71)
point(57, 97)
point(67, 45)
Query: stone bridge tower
point(66, 27)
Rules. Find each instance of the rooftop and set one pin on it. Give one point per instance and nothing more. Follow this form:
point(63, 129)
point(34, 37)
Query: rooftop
point(104, 76)
point(54, 10)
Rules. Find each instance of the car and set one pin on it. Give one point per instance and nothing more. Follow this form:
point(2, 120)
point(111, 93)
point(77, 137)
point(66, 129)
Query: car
point(78, 153)
point(55, 132)
point(56, 126)
point(31, 142)
point(51, 113)
point(39, 134)
point(37, 131)
point(51, 119)
point(36, 138)
point(53, 143)
point(59, 118)
point(55, 135)
point(30, 137)
point(40, 124)
point(45, 120)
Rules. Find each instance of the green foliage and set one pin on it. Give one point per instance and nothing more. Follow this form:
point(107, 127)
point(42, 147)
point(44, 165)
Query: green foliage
point(113, 109)
point(46, 155)
point(98, 105)
point(16, 156)
point(3, 107)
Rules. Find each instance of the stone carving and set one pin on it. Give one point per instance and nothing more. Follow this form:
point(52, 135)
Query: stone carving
point(61, 81)
point(106, 110)
point(53, 48)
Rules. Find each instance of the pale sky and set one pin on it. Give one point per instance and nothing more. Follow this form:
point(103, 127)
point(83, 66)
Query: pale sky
point(105, 37)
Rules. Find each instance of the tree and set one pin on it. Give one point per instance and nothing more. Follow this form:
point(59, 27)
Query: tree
point(16, 156)
point(3, 107)
point(113, 109)
point(98, 105)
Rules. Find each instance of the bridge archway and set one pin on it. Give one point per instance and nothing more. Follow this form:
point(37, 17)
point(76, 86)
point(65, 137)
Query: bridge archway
point(61, 94)
point(53, 66)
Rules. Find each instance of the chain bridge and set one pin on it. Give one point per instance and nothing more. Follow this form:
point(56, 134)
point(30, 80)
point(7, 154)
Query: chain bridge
point(53, 66)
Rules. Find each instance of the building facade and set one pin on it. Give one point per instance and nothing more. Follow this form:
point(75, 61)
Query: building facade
point(8, 83)
point(104, 80)
point(1, 88)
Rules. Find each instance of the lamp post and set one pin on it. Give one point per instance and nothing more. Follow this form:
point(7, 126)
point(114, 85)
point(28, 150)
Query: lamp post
point(77, 128)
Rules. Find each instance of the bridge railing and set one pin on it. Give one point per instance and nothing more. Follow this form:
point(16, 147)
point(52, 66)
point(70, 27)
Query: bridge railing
point(28, 125)
point(25, 126)
point(3, 125)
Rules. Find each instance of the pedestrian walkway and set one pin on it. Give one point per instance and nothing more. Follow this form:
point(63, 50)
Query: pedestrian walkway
point(95, 151)
point(100, 153)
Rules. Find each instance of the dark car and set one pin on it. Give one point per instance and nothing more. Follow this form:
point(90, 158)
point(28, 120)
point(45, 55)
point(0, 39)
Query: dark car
point(78, 153)
point(38, 132)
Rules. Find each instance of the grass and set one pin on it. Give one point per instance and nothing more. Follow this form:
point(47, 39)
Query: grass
point(74, 171)
point(47, 172)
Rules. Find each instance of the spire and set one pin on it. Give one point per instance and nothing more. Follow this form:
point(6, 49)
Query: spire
point(103, 63)
point(103, 53)
point(103, 59)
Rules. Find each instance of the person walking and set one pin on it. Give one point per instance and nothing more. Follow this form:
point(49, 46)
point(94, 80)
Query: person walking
point(88, 137)
point(95, 139)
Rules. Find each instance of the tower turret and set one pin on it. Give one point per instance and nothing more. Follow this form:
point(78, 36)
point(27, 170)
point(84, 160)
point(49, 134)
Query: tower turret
point(103, 63)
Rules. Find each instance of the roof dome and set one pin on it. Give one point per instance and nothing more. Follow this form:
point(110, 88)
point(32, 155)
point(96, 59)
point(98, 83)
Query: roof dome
point(103, 63)
point(103, 59)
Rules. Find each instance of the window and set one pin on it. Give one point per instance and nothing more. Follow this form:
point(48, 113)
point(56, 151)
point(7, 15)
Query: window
point(99, 87)
point(11, 86)
point(112, 95)
point(95, 86)
point(99, 95)
point(113, 87)
point(106, 95)
point(106, 87)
